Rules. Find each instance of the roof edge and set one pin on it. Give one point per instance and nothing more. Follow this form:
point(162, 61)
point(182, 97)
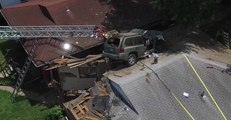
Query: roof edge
point(5, 18)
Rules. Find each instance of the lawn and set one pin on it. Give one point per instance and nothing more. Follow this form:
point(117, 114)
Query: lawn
point(21, 109)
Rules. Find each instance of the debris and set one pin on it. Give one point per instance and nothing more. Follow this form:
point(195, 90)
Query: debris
point(202, 94)
point(91, 104)
point(122, 73)
point(72, 62)
point(186, 94)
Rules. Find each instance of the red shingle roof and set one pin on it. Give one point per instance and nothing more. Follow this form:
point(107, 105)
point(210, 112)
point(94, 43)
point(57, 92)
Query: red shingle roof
point(59, 12)
point(56, 12)
point(51, 48)
point(26, 16)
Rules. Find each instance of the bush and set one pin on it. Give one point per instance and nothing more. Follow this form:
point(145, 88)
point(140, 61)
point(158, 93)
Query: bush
point(55, 113)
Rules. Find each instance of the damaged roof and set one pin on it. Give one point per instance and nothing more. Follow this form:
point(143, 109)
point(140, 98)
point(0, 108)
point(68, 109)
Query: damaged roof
point(50, 48)
point(152, 93)
point(56, 12)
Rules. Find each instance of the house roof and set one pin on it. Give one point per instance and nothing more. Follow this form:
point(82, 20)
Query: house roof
point(56, 12)
point(59, 12)
point(51, 48)
point(152, 94)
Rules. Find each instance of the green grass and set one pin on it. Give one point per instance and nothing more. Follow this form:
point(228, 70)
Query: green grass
point(21, 109)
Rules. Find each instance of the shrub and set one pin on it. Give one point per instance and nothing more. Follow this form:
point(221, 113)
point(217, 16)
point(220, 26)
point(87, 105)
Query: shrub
point(55, 113)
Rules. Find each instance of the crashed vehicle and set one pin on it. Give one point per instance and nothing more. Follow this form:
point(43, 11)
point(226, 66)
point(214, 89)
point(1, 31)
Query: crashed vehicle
point(132, 45)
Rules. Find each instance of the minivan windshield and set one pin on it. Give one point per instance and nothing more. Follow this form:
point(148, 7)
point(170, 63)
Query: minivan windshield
point(113, 42)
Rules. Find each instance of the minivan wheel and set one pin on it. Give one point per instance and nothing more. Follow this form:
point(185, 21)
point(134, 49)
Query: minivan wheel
point(132, 59)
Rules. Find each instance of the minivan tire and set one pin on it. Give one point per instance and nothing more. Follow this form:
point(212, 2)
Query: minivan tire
point(132, 59)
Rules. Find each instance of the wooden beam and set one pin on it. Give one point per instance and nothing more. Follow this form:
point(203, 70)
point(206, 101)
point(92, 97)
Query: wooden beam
point(87, 61)
point(53, 67)
point(97, 113)
point(80, 109)
point(74, 114)
point(91, 118)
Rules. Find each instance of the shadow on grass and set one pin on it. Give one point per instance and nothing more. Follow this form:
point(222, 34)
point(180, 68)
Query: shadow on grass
point(19, 99)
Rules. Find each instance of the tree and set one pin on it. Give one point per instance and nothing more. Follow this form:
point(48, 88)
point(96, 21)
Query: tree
point(186, 11)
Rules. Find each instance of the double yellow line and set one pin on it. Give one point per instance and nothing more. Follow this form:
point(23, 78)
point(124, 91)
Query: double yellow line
point(206, 88)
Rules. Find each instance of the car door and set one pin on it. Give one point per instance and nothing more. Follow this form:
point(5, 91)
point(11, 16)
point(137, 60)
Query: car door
point(128, 45)
point(139, 46)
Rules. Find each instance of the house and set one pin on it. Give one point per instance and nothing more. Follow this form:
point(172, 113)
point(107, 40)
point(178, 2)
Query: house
point(74, 12)
point(158, 91)
point(57, 12)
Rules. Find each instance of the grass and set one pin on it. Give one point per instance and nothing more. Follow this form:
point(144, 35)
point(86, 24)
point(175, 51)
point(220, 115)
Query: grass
point(21, 109)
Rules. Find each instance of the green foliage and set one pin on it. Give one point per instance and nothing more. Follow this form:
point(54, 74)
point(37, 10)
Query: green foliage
point(186, 11)
point(55, 113)
point(6, 81)
point(21, 109)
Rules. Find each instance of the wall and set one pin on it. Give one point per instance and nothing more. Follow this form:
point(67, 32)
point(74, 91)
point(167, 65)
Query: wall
point(70, 79)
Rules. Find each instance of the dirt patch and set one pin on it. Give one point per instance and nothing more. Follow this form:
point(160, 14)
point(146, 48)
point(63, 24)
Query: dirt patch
point(196, 42)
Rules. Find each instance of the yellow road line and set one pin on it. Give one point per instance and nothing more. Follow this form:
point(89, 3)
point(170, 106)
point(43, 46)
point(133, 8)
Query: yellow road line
point(183, 106)
point(199, 78)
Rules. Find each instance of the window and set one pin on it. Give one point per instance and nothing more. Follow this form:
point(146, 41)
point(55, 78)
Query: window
point(139, 41)
point(134, 41)
point(113, 41)
point(129, 42)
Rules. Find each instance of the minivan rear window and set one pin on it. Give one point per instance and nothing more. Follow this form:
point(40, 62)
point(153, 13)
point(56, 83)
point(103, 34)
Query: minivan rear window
point(113, 42)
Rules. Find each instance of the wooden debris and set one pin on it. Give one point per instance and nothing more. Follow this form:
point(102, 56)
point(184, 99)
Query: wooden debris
point(72, 62)
point(81, 108)
point(90, 59)
point(121, 73)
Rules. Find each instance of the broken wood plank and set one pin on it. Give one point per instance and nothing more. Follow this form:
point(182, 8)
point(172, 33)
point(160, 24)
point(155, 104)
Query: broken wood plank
point(97, 113)
point(53, 67)
point(91, 118)
point(74, 63)
point(85, 107)
point(80, 109)
point(89, 97)
point(87, 61)
point(74, 114)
